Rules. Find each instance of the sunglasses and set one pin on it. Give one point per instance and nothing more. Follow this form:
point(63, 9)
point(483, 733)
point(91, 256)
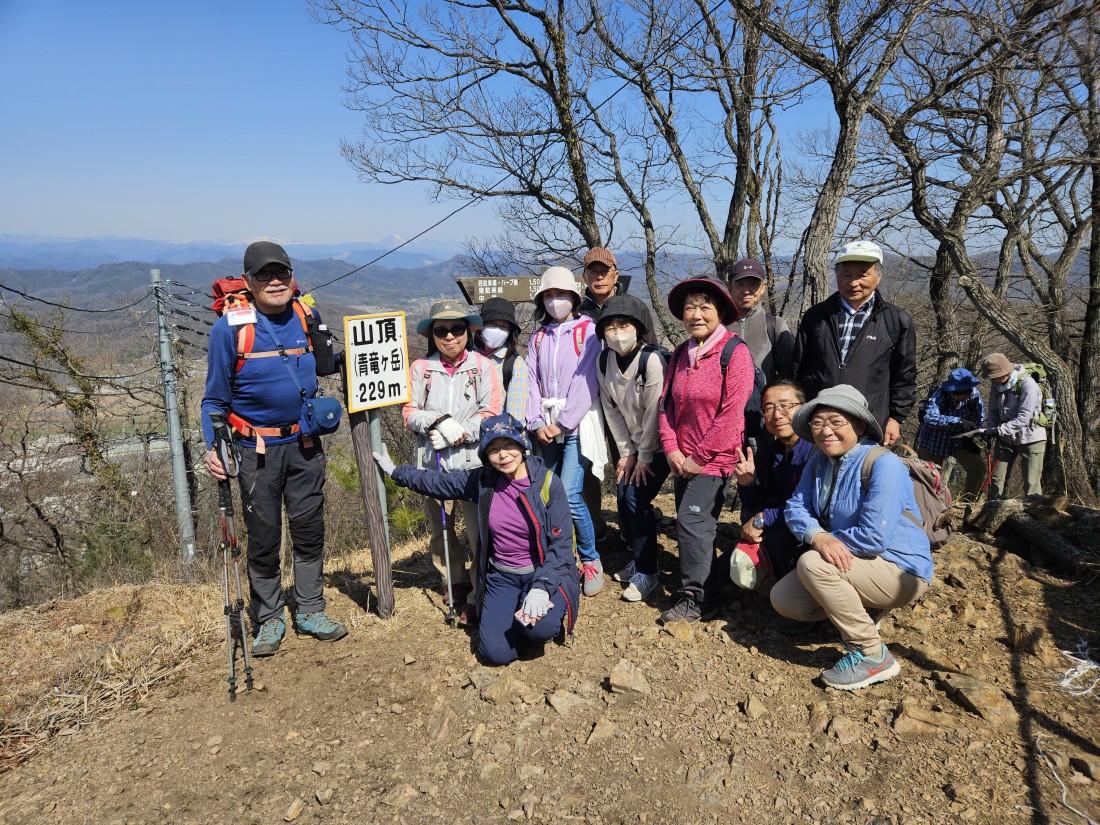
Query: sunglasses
point(265, 275)
point(457, 330)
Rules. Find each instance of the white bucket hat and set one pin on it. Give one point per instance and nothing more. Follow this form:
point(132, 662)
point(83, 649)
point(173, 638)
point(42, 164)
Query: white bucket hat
point(557, 277)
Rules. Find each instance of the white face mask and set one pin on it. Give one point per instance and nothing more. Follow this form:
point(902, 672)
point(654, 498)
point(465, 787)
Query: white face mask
point(494, 337)
point(622, 342)
point(559, 308)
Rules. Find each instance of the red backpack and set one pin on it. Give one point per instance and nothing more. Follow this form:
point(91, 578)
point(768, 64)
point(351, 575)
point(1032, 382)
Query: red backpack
point(232, 294)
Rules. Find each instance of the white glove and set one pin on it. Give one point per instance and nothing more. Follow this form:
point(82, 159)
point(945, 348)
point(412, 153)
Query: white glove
point(450, 430)
point(537, 603)
point(385, 463)
point(437, 439)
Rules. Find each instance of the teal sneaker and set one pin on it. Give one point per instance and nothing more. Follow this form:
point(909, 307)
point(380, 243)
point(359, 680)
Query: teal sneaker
point(855, 671)
point(320, 626)
point(269, 637)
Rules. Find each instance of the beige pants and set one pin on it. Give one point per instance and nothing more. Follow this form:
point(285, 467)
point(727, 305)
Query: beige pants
point(1032, 469)
point(817, 590)
point(459, 554)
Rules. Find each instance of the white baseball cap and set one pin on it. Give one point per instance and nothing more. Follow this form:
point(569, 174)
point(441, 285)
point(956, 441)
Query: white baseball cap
point(867, 251)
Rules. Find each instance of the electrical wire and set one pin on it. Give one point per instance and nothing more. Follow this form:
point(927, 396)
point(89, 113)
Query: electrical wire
point(135, 323)
point(478, 198)
point(69, 372)
point(148, 292)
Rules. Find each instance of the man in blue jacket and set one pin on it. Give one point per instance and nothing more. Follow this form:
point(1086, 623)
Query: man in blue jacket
point(253, 392)
point(954, 407)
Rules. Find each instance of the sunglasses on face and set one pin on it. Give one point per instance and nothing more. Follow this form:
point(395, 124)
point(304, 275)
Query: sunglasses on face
point(265, 275)
point(457, 330)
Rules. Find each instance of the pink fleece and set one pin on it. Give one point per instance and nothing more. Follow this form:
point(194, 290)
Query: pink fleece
point(691, 420)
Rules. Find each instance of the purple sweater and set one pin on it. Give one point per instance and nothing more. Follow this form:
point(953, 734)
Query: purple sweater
point(558, 371)
point(510, 535)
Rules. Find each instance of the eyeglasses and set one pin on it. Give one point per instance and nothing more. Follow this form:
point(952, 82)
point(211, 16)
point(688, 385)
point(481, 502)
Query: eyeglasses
point(265, 275)
point(786, 409)
point(834, 424)
point(457, 330)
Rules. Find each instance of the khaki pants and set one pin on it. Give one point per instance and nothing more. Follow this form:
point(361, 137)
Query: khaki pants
point(459, 555)
point(973, 463)
point(1032, 469)
point(818, 590)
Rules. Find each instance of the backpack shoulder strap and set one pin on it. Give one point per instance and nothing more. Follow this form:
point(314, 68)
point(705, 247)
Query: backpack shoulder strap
point(869, 460)
point(868, 464)
point(727, 352)
point(509, 367)
point(605, 355)
point(579, 332)
point(544, 491)
point(770, 320)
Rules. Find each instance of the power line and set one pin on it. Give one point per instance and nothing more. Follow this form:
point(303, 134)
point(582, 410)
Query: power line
point(479, 198)
point(136, 321)
point(70, 373)
point(74, 309)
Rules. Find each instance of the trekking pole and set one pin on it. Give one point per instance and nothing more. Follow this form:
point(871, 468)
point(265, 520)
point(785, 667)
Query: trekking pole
point(235, 635)
point(991, 463)
point(452, 617)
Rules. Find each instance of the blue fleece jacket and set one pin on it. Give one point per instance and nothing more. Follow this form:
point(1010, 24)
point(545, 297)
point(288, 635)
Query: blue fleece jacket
point(262, 393)
point(870, 523)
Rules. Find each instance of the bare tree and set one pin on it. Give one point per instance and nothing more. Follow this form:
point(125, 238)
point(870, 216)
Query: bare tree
point(863, 44)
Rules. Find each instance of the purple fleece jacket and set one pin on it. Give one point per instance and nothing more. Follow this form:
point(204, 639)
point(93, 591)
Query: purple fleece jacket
point(557, 371)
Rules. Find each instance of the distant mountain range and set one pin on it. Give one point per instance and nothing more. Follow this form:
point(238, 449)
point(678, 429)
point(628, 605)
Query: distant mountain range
point(42, 252)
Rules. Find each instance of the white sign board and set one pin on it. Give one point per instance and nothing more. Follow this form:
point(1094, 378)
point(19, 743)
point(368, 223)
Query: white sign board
point(376, 360)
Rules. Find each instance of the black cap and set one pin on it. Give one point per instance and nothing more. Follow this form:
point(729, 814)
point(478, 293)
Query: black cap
point(748, 268)
point(623, 306)
point(260, 254)
point(498, 309)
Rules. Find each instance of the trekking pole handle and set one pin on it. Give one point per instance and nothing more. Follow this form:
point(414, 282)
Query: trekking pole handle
point(225, 446)
point(225, 498)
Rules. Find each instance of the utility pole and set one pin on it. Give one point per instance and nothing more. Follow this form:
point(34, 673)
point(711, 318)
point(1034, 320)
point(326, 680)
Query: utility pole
point(175, 432)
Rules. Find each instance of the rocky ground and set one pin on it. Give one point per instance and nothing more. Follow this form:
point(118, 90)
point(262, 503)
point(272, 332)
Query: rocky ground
point(719, 722)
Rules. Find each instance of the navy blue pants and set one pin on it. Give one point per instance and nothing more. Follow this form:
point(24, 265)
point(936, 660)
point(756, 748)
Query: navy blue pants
point(500, 635)
point(636, 520)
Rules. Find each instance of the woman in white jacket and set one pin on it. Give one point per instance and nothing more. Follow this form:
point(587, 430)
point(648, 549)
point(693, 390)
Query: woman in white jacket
point(453, 390)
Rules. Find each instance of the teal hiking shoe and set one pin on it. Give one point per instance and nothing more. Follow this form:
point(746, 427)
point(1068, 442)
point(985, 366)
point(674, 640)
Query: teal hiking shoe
point(320, 626)
point(855, 671)
point(269, 637)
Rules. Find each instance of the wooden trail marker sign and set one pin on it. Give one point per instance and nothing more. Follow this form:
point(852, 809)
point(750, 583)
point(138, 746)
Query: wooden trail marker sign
point(376, 375)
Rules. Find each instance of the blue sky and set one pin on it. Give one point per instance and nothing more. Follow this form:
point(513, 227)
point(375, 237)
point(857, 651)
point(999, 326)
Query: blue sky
point(187, 121)
point(200, 120)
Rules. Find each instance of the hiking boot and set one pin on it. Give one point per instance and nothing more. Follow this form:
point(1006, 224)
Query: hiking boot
point(269, 637)
point(641, 586)
point(592, 577)
point(686, 609)
point(624, 575)
point(855, 671)
point(320, 626)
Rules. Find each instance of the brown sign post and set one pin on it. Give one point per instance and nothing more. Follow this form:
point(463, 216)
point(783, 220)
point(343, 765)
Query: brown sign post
point(376, 374)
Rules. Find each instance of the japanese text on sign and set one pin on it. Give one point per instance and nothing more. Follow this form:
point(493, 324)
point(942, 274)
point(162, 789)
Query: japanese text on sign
point(377, 360)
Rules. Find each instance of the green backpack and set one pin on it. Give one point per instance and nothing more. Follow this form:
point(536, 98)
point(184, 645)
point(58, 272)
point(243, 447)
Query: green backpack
point(1047, 411)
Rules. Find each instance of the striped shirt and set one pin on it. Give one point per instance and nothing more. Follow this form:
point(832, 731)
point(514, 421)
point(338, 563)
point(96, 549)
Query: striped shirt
point(515, 394)
point(851, 323)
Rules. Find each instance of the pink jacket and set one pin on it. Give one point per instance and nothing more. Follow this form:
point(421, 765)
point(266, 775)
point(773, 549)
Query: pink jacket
point(697, 418)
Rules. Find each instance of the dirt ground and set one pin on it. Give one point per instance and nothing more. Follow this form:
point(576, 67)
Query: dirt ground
point(631, 723)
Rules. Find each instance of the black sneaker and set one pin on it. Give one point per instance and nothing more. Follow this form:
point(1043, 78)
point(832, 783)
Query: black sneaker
point(685, 610)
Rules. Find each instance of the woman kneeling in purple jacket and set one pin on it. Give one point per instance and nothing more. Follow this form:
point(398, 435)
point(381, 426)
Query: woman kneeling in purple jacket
point(525, 566)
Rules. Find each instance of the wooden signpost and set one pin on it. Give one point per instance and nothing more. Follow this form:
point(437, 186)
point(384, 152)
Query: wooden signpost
point(376, 375)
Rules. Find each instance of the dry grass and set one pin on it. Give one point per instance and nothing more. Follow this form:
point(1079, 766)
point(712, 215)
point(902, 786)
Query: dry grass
point(70, 662)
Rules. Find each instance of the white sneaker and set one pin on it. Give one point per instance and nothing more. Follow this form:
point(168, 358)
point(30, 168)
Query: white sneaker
point(641, 586)
point(624, 575)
